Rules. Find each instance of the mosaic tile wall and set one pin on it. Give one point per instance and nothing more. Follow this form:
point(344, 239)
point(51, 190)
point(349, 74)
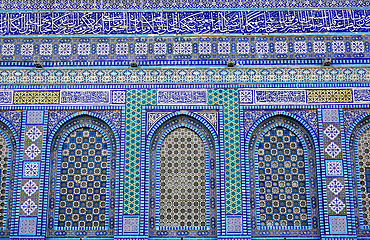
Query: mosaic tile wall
point(314, 177)
point(273, 95)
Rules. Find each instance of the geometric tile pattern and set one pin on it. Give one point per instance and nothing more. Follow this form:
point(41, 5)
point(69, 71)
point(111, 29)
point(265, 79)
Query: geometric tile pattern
point(31, 169)
point(195, 48)
point(28, 207)
point(35, 117)
point(130, 224)
point(234, 224)
point(332, 150)
point(246, 96)
point(83, 179)
point(229, 98)
point(4, 155)
point(190, 164)
point(335, 186)
point(330, 115)
point(282, 182)
point(34, 133)
point(135, 98)
point(32, 151)
point(338, 224)
point(336, 196)
point(193, 75)
point(337, 205)
point(329, 96)
point(118, 97)
point(36, 97)
point(27, 225)
point(82, 175)
point(30, 188)
point(182, 200)
point(334, 168)
point(363, 149)
point(331, 132)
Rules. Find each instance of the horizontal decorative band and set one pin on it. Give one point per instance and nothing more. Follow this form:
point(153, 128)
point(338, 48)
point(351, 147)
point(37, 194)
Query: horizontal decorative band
point(63, 97)
point(185, 76)
point(182, 63)
point(302, 96)
point(184, 96)
point(183, 22)
point(171, 4)
point(151, 51)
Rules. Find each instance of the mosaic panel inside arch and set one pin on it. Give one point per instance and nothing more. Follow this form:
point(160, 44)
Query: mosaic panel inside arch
point(281, 193)
point(83, 180)
point(182, 186)
point(82, 165)
point(8, 156)
point(363, 148)
point(281, 179)
point(4, 154)
point(358, 153)
point(182, 180)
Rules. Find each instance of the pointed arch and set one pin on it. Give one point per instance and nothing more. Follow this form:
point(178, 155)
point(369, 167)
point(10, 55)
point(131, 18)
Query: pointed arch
point(357, 158)
point(8, 158)
point(281, 153)
point(82, 172)
point(193, 125)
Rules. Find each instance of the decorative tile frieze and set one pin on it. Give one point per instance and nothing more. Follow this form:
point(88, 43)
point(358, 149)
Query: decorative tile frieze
point(216, 4)
point(192, 22)
point(287, 96)
point(361, 95)
point(189, 75)
point(65, 97)
point(170, 51)
point(188, 96)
